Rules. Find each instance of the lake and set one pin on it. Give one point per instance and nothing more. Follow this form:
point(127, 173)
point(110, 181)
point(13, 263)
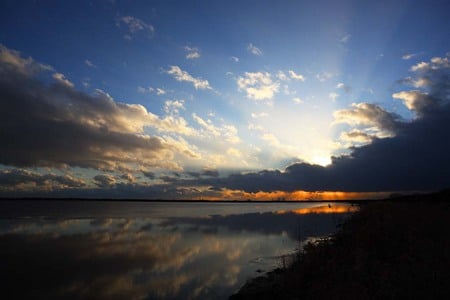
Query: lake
point(150, 250)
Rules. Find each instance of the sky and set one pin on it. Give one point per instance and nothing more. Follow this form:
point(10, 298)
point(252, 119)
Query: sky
point(224, 99)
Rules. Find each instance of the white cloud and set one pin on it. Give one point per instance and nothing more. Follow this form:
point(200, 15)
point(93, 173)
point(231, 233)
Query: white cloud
point(62, 79)
point(234, 58)
point(173, 107)
point(22, 65)
point(181, 75)
point(413, 100)
point(333, 96)
point(258, 86)
point(160, 91)
point(282, 76)
point(343, 86)
point(227, 132)
point(254, 50)
point(345, 38)
point(296, 76)
point(298, 100)
point(135, 25)
point(408, 56)
point(89, 63)
point(422, 66)
point(259, 115)
point(192, 52)
point(324, 76)
point(367, 114)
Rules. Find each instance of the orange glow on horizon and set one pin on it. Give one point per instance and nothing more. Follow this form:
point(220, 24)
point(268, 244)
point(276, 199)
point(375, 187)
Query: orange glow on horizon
point(297, 195)
point(328, 209)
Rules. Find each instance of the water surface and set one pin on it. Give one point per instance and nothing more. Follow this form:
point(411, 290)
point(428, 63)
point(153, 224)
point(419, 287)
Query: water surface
point(150, 250)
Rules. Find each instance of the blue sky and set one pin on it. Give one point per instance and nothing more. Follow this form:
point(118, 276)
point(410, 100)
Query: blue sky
point(228, 88)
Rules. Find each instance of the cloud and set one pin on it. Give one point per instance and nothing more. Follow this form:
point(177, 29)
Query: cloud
point(134, 26)
point(324, 76)
point(104, 180)
point(298, 100)
point(89, 63)
point(181, 75)
point(333, 96)
point(258, 86)
point(18, 179)
point(345, 38)
point(259, 115)
point(158, 91)
point(296, 76)
point(235, 59)
point(192, 52)
point(62, 79)
point(227, 132)
point(173, 107)
point(367, 114)
point(413, 157)
point(356, 136)
point(56, 125)
point(345, 87)
point(254, 50)
point(415, 100)
point(408, 56)
point(11, 60)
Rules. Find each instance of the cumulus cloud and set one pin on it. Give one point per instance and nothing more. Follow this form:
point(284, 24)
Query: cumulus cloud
point(408, 56)
point(62, 79)
point(192, 52)
point(17, 179)
point(55, 125)
point(367, 114)
point(296, 76)
point(227, 132)
point(324, 76)
point(181, 75)
point(134, 26)
point(254, 50)
point(173, 107)
point(356, 136)
point(258, 85)
point(11, 60)
point(104, 180)
point(235, 59)
point(345, 87)
point(413, 157)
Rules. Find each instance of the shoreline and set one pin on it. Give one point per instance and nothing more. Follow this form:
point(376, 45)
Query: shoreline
point(395, 248)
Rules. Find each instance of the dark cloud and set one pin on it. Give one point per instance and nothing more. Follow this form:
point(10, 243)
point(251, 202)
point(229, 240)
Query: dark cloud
point(16, 179)
point(104, 180)
point(55, 125)
point(149, 175)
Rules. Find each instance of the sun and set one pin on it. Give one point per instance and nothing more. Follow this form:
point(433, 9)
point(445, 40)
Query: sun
point(321, 160)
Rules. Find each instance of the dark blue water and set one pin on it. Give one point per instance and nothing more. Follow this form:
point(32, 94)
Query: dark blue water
point(148, 250)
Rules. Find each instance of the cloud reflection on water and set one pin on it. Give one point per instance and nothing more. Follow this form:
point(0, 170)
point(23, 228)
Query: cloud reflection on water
point(148, 258)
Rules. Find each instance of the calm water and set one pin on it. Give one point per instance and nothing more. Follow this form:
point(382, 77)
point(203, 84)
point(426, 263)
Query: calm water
point(144, 250)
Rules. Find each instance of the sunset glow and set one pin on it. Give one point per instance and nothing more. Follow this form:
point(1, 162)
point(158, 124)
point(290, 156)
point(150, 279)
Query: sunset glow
point(296, 100)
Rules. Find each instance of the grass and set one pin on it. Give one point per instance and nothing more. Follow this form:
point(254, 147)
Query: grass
point(393, 249)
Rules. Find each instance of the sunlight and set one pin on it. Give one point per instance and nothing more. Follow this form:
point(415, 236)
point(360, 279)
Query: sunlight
point(321, 160)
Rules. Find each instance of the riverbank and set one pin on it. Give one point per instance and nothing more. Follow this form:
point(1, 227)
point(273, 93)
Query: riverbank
point(392, 249)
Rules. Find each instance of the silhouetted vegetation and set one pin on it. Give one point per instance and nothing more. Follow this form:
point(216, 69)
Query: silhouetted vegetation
point(393, 249)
